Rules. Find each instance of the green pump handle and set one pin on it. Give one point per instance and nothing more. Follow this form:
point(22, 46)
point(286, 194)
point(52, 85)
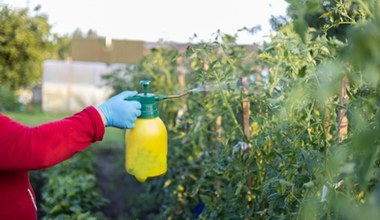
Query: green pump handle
point(145, 84)
point(147, 100)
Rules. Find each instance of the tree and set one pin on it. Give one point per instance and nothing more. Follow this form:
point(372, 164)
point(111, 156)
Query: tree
point(276, 22)
point(62, 46)
point(78, 33)
point(92, 34)
point(24, 45)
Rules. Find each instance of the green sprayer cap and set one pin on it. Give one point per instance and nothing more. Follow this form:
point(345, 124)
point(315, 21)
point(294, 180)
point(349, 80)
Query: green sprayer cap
point(147, 100)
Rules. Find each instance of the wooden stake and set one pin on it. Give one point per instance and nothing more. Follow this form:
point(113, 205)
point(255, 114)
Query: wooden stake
point(245, 108)
point(219, 128)
point(182, 87)
point(181, 74)
point(342, 114)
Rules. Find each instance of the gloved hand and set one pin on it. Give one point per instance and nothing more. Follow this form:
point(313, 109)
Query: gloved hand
point(119, 112)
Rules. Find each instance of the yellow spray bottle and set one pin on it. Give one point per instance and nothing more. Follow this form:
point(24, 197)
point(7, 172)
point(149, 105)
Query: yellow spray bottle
point(147, 142)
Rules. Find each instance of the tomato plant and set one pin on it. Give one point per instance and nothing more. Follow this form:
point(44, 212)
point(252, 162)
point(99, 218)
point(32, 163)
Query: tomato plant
point(297, 162)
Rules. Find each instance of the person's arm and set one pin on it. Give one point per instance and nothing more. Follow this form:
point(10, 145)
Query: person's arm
point(29, 148)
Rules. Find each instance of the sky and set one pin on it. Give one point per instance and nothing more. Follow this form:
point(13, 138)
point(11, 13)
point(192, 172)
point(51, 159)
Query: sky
point(154, 20)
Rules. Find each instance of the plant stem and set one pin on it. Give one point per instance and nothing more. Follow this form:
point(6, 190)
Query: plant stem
point(365, 7)
point(229, 107)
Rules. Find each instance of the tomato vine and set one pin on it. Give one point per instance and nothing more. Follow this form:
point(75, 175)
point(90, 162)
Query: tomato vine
point(296, 164)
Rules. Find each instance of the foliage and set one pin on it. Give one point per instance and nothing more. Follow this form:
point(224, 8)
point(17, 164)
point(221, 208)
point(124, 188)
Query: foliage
point(70, 191)
point(25, 44)
point(296, 164)
point(26, 41)
point(277, 22)
point(62, 46)
point(332, 18)
point(8, 100)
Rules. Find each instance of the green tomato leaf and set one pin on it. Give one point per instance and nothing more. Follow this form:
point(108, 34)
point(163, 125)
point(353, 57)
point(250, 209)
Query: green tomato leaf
point(300, 27)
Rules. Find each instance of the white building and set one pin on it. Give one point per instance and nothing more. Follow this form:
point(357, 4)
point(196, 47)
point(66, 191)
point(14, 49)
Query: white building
point(69, 86)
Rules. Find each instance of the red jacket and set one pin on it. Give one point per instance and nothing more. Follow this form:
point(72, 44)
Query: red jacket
point(24, 148)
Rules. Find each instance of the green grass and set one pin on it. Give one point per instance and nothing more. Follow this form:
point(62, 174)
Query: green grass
point(113, 136)
point(34, 119)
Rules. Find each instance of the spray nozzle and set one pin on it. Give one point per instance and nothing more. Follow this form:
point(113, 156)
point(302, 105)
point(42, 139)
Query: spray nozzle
point(179, 95)
point(145, 84)
point(163, 97)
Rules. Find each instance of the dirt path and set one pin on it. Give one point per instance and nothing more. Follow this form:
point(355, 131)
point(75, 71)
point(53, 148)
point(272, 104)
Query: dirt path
point(115, 184)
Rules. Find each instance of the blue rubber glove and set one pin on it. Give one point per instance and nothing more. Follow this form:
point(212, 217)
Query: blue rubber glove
point(119, 112)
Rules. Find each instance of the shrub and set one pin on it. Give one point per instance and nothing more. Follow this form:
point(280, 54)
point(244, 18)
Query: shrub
point(8, 100)
point(70, 190)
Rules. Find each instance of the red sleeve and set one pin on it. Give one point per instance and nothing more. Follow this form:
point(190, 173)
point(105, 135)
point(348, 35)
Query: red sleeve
point(30, 148)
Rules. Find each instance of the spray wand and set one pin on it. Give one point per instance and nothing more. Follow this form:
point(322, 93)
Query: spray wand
point(163, 97)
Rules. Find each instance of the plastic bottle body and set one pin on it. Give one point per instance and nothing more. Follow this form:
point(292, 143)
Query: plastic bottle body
point(146, 148)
